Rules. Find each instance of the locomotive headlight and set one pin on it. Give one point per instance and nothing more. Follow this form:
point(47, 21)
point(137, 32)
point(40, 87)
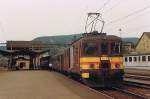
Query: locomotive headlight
point(117, 66)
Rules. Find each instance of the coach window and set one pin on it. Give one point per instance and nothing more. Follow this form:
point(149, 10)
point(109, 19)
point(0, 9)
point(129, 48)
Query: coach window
point(148, 58)
point(104, 48)
point(135, 59)
point(139, 58)
point(143, 58)
point(90, 48)
point(126, 59)
point(130, 59)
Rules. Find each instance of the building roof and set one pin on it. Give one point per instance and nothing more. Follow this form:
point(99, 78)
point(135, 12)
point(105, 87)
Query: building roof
point(4, 53)
point(20, 52)
point(23, 43)
point(147, 34)
point(144, 33)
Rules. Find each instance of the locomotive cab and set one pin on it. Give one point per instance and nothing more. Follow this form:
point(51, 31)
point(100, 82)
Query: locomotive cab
point(101, 60)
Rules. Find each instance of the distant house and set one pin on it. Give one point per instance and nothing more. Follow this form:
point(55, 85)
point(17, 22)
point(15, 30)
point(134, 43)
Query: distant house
point(128, 47)
point(128, 44)
point(143, 45)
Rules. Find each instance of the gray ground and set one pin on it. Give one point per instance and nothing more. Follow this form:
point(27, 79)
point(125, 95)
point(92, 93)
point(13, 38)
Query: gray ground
point(41, 85)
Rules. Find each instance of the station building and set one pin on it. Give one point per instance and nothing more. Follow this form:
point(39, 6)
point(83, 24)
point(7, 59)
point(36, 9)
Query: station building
point(24, 54)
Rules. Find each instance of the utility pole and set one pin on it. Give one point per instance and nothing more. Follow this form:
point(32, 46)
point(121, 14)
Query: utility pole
point(120, 32)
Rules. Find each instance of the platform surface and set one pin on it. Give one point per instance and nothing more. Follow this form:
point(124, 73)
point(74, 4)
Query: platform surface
point(41, 85)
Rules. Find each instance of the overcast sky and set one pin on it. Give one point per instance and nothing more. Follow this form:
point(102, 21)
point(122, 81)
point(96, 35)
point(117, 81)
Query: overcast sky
point(28, 19)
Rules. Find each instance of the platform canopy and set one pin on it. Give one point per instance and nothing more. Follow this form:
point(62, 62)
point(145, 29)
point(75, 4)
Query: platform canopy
point(5, 53)
point(22, 52)
point(25, 52)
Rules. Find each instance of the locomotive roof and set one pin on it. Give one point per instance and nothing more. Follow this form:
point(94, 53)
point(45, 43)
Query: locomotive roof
point(100, 36)
point(103, 37)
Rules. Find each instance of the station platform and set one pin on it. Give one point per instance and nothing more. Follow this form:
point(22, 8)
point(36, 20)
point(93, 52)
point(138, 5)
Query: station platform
point(42, 85)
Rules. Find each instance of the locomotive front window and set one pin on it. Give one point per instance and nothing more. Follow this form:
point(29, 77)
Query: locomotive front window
point(115, 48)
point(104, 48)
point(90, 48)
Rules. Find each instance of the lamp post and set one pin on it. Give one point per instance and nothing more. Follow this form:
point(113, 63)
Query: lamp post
point(120, 30)
point(120, 34)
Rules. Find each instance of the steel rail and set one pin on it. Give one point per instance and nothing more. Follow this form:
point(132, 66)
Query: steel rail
point(140, 85)
point(130, 93)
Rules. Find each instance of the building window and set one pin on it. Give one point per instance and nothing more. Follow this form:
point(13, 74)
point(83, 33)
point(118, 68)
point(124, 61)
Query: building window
point(126, 59)
point(139, 58)
point(143, 58)
point(130, 59)
point(148, 58)
point(135, 59)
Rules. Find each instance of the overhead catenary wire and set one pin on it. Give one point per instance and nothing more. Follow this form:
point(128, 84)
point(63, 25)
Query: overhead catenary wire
point(134, 29)
point(114, 6)
point(107, 2)
point(139, 27)
point(129, 15)
point(126, 21)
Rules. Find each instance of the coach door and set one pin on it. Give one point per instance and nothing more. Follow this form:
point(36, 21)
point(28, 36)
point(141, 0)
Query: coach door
point(71, 57)
point(61, 62)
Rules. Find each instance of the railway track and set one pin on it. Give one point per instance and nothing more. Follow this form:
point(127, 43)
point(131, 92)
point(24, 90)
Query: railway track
point(121, 93)
point(133, 94)
point(141, 77)
point(136, 84)
point(137, 79)
point(115, 92)
point(133, 89)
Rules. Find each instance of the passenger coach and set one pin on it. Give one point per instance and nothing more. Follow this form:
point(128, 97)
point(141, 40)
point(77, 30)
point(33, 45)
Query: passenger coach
point(137, 61)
